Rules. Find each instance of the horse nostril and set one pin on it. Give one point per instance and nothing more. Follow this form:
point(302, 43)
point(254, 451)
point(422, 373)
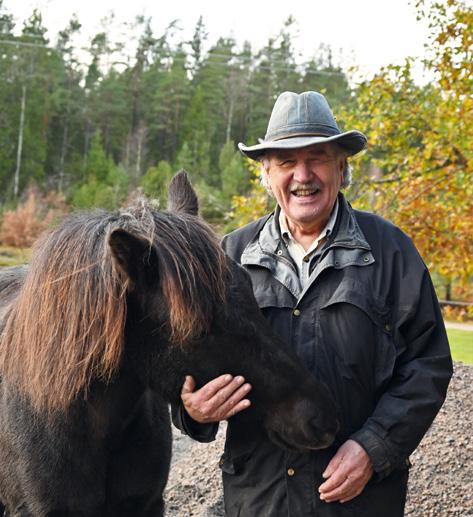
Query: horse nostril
point(324, 427)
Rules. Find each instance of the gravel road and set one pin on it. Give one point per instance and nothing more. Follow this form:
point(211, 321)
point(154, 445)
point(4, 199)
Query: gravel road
point(441, 478)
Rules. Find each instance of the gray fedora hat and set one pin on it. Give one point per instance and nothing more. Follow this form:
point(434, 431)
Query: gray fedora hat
point(300, 120)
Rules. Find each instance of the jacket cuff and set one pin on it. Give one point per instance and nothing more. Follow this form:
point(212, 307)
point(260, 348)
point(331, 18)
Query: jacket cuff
point(200, 432)
point(377, 450)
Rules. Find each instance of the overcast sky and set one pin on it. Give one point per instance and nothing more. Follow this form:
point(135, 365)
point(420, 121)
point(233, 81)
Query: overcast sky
point(370, 33)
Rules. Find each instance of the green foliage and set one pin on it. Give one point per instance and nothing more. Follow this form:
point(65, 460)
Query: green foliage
point(98, 165)
point(211, 202)
point(105, 184)
point(461, 345)
point(169, 100)
point(108, 194)
point(234, 175)
point(185, 159)
point(13, 256)
point(155, 181)
point(255, 204)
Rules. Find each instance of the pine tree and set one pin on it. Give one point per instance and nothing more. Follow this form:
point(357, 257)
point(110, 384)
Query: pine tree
point(156, 180)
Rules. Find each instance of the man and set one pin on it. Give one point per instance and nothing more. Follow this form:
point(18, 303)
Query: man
point(353, 298)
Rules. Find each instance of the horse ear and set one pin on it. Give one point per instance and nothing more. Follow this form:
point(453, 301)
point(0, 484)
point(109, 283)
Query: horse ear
point(134, 256)
point(181, 195)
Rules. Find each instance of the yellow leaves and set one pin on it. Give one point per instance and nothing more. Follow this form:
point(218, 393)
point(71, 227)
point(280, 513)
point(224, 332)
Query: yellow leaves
point(250, 207)
point(421, 142)
point(451, 45)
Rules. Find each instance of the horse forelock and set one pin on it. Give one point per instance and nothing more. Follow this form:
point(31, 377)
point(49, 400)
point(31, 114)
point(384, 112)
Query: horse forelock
point(192, 268)
point(66, 327)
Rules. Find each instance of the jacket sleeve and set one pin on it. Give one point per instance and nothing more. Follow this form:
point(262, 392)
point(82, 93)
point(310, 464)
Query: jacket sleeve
point(200, 432)
point(421, 372)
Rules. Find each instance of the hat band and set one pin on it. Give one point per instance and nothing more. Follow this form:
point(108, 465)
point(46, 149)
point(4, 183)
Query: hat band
point(312, 130)
point(294, 135)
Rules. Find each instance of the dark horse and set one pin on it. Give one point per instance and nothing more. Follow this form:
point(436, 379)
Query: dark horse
point(98, 334)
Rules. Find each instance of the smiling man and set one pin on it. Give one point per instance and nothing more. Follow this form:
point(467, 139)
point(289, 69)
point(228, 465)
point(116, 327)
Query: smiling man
point(349, 293)
point(305, 183)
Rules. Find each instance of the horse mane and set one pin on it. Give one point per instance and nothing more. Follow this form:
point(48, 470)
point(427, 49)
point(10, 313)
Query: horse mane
point(66, 327)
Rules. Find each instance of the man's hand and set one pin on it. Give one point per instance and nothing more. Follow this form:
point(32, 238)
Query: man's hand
point(346, 474)
point(217, 400)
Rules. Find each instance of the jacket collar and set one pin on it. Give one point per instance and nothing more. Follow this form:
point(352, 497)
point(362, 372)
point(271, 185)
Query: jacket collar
point(347, 234)
point(268, 249)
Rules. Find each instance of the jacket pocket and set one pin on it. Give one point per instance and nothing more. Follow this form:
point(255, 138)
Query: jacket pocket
point(359, 331)
point(355, 352)
point(233, 464)
point(238, 450)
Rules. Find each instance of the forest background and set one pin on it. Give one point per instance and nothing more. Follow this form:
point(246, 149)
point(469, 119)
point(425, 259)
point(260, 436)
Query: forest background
point(83, 128)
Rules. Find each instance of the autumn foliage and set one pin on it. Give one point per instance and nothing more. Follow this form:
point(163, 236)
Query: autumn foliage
point(21, 227)
point(421, 141)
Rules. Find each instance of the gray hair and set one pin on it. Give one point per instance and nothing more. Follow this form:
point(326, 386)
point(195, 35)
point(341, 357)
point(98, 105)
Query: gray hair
point(347, 170)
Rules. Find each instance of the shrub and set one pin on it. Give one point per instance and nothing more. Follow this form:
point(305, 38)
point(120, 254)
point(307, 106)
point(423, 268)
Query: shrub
point(36, 212)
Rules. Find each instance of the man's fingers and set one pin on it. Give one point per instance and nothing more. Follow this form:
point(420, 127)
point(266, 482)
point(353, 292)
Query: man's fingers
point(188, 386)
point(230, 394)
point(237, 402)
point(344, 488)
point(333, 465)
point(337, 479)
point(211, 388)
point(243, 404)
point(348, 472)
point(217, 400)
point(346, 491)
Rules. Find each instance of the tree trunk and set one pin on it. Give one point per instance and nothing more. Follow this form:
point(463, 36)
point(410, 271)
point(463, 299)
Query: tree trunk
point(230, 120)
point(63, 152)
point(16, 182)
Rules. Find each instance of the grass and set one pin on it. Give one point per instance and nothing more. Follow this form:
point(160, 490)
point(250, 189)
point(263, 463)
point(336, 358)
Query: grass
point(13, 256)
point(461, 344)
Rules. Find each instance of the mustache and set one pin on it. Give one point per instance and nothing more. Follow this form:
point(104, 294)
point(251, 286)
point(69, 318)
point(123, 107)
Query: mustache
point(313, 185)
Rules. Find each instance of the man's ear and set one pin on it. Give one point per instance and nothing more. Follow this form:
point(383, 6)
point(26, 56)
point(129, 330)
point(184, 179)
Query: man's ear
point(264, 168)
point(135, 256)
point(341, 168)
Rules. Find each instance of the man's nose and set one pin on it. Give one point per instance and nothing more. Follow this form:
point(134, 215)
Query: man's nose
point(302, 172)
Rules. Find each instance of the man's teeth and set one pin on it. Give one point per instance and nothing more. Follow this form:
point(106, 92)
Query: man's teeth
point(305, 192)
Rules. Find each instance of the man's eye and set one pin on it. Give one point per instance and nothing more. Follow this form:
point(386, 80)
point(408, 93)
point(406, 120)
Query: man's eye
point(287, 162)
point(320, 159)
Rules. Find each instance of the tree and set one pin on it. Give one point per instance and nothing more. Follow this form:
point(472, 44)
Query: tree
point(322, 74)
point(235, 176)
point(421, 143)
point(198, 39)
point(168, 105)
point(251, 206)
point(105, 185)
point(28, 80)
point(155, 181)
point(207, 118)
point(67, 101)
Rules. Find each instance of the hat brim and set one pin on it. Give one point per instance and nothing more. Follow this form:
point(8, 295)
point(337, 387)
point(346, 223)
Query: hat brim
point(352, 141)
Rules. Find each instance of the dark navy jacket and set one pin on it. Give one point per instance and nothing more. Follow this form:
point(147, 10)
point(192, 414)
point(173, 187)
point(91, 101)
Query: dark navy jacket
point(368, 325)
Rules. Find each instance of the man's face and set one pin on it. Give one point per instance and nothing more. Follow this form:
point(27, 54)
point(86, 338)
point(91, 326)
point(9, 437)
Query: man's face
point(305, 183)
